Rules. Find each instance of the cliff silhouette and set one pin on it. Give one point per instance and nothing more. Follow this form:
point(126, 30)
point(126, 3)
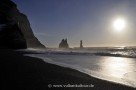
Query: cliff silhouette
point(15, 30)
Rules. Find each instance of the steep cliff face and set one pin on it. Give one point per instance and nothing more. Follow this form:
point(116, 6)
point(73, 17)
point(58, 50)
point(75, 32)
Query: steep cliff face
point(18, 27)
point(11, 37)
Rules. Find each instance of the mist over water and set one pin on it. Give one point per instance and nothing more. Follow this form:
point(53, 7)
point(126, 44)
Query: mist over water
point(111, 66)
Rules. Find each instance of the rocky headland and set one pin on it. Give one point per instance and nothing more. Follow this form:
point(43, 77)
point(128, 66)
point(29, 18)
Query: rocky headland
point(15, 30)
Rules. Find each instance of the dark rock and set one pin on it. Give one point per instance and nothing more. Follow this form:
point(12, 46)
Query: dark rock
point(11, 37)
point(15, 30)
point(64, 44)
point(24, 25)
point(81, 44)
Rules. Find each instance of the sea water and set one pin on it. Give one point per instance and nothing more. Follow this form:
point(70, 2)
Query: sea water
point(112, 65)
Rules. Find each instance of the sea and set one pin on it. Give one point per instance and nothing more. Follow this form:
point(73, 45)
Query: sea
point(114, 64)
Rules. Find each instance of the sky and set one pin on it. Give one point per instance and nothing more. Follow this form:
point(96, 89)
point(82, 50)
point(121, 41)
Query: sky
point(87, 20)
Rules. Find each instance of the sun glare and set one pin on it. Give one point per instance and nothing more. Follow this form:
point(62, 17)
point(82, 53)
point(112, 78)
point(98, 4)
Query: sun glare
point(119, 24)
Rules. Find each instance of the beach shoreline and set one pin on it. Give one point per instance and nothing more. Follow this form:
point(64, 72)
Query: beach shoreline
point(28, 73)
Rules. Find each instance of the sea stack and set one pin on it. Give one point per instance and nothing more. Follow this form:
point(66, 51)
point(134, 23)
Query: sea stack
point(81, 44)
point(15, 30)
point(64, 44)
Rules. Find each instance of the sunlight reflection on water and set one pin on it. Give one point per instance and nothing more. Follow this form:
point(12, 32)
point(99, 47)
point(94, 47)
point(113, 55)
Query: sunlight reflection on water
point(121, 68)
point(116, 66)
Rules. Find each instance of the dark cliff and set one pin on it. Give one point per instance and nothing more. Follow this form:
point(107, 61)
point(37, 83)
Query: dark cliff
point(15, 30)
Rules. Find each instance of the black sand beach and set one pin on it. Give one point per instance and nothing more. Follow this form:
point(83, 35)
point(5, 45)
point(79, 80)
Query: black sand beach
point(28, 73)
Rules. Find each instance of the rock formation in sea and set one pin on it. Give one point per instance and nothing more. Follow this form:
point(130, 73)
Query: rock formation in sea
point(81, 44)
point(15, 30)
point(64, 44)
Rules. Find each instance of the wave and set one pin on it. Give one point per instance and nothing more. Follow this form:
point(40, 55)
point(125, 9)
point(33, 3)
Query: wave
point(129, 52)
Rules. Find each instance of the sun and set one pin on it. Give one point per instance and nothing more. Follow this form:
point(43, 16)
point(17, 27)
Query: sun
point(119, 24)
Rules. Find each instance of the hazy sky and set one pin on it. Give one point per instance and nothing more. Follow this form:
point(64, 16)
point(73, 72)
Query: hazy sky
point(87, 20)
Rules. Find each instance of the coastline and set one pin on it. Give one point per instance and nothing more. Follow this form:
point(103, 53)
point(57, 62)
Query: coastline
point(28, 73)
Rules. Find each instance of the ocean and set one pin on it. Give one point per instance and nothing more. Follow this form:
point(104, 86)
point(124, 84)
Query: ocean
point(112, 64)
